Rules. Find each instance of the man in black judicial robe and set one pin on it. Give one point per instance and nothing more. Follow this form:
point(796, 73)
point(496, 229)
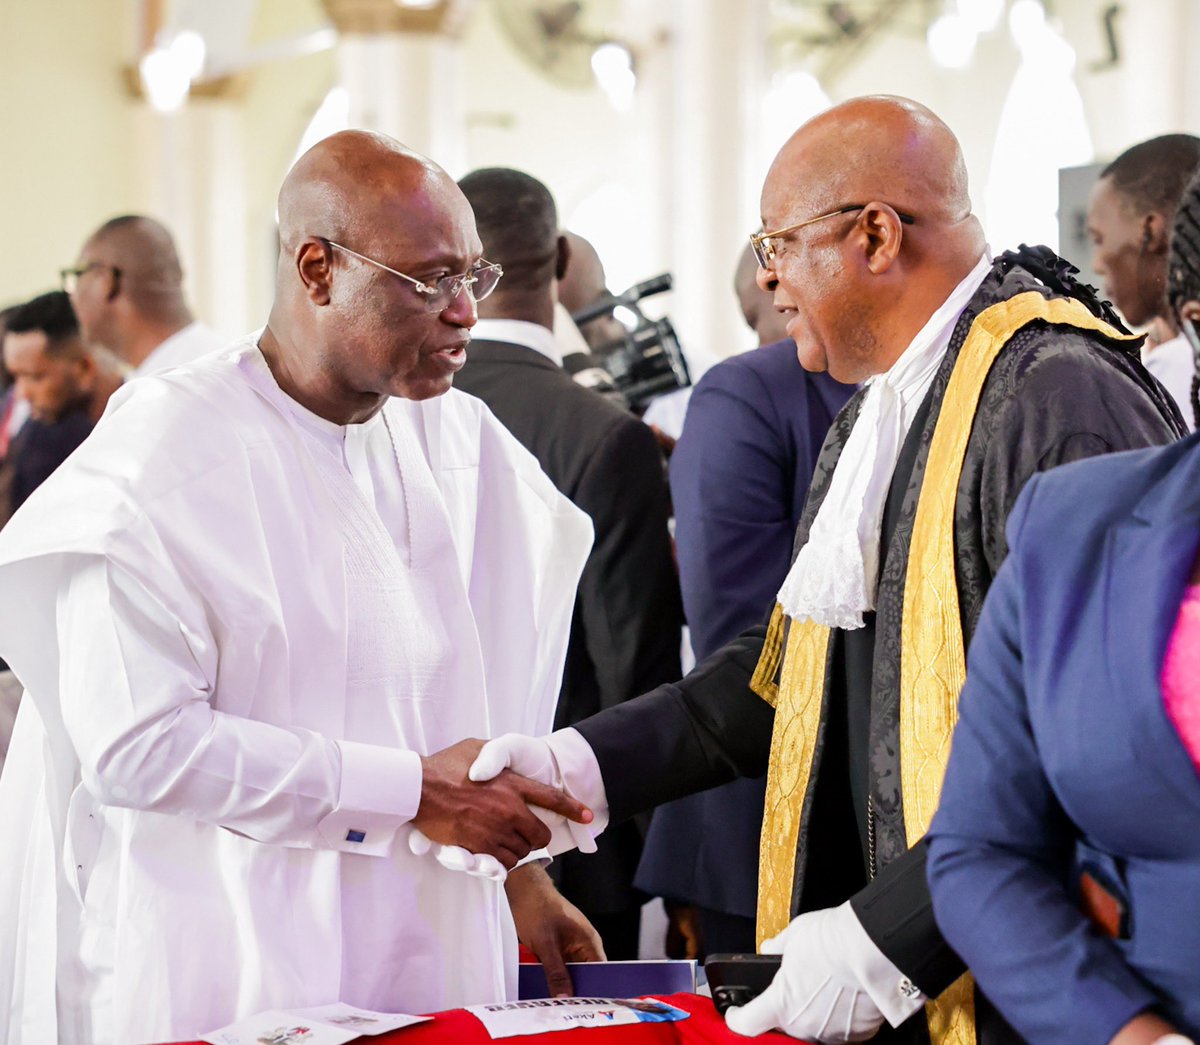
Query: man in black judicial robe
point(871, 237)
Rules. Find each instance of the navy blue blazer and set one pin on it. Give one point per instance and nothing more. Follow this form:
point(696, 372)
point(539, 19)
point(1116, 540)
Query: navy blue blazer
point(739, 478)
point(1064, 760)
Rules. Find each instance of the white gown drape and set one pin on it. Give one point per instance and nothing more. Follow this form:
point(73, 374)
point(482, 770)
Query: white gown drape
point(232, 663)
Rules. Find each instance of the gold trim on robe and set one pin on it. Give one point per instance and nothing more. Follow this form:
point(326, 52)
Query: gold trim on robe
point(933, 655)
point(801, 693)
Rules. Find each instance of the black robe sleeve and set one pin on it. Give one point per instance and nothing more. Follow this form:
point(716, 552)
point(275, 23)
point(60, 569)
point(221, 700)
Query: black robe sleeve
point(685, 736)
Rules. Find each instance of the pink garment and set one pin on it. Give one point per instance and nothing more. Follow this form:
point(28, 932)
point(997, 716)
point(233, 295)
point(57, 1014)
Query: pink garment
point(1181, 674)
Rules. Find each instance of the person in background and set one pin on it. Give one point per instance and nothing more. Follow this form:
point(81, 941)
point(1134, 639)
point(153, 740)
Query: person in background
point(255, 615)
point(1129, 220)
point(127, 290)
point(584, 284)
point(14, 412)
point(739, 476)
point(1064, 860)
point(66, 384)
point(625, 633)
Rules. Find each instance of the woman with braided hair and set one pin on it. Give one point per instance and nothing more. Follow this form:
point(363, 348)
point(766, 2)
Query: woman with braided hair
point(1183, 278)
point(1064, 859)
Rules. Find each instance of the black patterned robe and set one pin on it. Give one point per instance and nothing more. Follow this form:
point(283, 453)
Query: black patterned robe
point(1053, 395)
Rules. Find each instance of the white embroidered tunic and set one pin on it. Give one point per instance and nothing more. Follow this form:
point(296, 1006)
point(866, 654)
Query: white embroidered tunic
point(239, 626)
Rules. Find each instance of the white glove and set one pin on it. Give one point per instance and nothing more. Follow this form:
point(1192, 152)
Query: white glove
point(534, 757)
point(456, 858)
point(834, 984)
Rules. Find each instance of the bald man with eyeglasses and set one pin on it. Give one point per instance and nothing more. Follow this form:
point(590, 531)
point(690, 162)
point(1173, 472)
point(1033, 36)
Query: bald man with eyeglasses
point(978, 372)
point(255, 617)
point(127, 291)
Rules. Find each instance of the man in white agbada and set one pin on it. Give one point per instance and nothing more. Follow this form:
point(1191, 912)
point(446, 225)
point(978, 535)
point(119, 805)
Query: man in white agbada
point(253, 615)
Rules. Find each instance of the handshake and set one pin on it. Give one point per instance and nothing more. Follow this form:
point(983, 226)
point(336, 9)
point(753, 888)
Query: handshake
point(486, 806)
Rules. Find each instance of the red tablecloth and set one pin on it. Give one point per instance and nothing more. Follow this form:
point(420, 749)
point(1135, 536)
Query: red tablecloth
point(705, 1027)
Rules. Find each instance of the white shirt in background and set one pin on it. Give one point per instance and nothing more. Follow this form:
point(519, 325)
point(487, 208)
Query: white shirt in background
point(184, 346)
point(1172, 363)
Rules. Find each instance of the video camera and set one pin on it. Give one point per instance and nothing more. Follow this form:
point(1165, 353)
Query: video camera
point(646, 361)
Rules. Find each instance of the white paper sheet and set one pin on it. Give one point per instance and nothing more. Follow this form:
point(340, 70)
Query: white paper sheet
point(323, 1025)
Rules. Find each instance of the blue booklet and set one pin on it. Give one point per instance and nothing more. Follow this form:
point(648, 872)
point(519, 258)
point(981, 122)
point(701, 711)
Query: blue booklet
point(614, 979)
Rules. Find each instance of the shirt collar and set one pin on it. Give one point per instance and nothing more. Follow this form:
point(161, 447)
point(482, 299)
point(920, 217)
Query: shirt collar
point(519, 332)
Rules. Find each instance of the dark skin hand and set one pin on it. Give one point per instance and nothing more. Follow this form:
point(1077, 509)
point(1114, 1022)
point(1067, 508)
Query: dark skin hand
point(685, 937)
point(492, 817)
point(554, 929)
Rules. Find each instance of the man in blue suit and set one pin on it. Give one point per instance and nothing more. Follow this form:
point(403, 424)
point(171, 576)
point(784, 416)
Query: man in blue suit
point(739, 476)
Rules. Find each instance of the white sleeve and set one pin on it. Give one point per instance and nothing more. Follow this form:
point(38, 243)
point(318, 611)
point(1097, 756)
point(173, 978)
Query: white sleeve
point(138, 710)
point(896, 996)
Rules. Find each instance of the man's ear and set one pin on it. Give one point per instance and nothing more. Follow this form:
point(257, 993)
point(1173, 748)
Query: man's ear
point(1156, 233)
point(563, 259)
point(314, 265)
point(878, 233)
point(114, 284)
point(87, 369)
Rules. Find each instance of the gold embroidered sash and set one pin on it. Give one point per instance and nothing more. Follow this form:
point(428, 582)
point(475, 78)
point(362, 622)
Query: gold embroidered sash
point(933, 656)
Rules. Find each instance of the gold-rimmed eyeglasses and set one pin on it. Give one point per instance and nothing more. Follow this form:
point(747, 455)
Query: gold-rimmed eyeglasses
point(764, 249)
point(479, 280)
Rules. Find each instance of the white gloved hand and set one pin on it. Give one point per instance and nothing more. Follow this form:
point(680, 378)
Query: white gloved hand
point(456, 858)
point(533, 757)
point(828, 984)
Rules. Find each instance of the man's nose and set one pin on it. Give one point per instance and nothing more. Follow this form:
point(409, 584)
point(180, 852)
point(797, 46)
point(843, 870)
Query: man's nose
point(766, 279)
point(463, 311)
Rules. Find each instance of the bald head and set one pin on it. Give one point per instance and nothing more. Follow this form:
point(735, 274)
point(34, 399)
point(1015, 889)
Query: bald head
point(340, 188)
point(878, 148)
point(895, 235)
point(144, 252)
point(583, 283)
point(128, 294)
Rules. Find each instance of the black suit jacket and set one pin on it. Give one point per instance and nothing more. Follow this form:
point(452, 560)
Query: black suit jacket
point(625, 632)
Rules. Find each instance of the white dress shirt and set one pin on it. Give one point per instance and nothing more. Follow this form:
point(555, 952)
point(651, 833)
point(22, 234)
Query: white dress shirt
point(519, 332)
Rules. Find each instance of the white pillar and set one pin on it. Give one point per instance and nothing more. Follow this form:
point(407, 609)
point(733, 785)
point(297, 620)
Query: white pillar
point(191, 175)
point(401, 67)
point(406, 84)
point(710, 189)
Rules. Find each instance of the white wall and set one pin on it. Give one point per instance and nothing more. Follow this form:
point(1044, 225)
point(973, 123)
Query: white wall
point(66, 148)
